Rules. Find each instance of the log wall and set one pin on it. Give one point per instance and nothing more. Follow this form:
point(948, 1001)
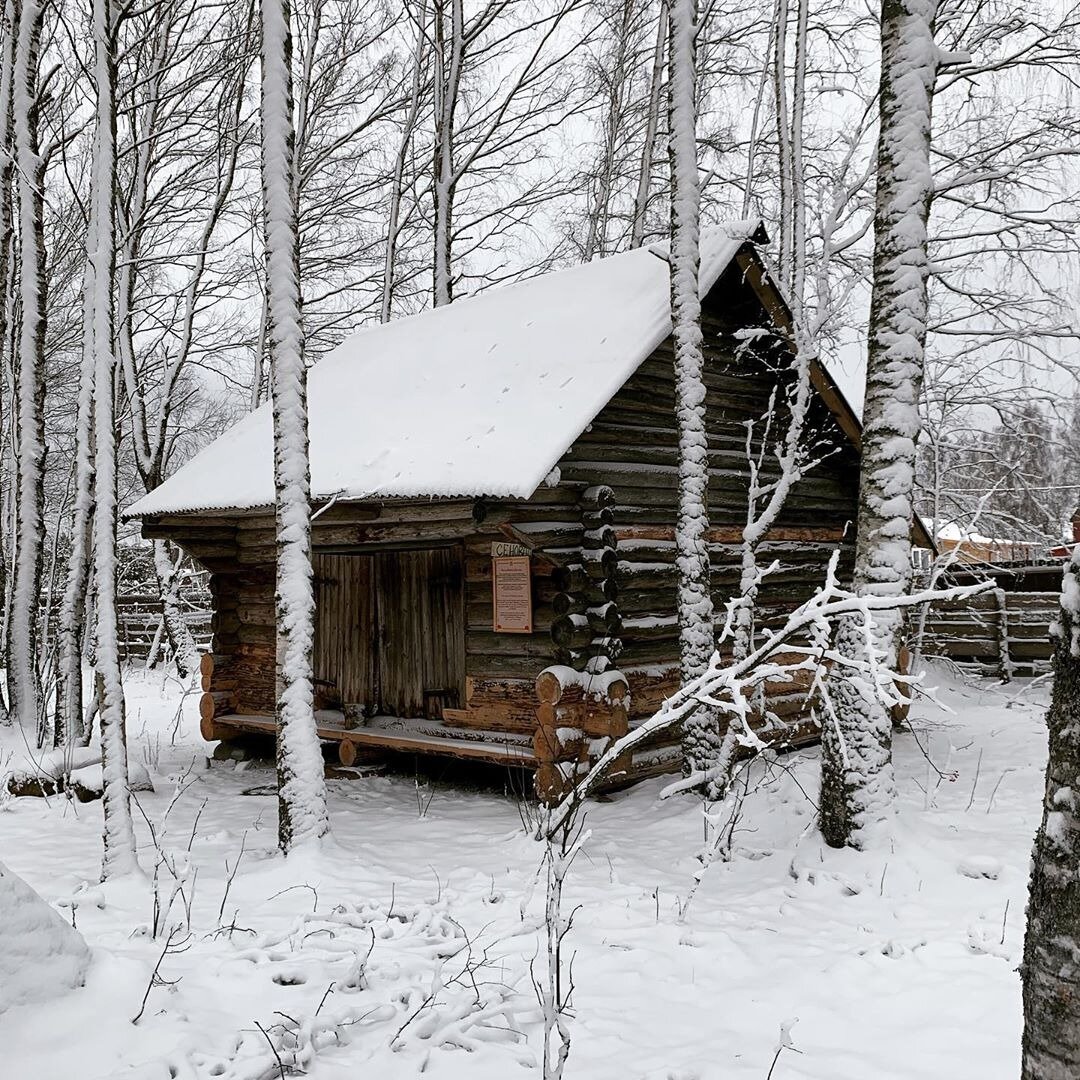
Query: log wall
point(632, 446)
point(500, 669)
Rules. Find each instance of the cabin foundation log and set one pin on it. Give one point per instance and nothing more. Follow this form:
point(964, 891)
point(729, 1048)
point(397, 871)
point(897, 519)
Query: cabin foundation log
point(574, 725)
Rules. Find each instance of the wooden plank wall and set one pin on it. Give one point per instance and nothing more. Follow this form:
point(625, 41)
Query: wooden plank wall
point(421, 630)
point(1000, 634)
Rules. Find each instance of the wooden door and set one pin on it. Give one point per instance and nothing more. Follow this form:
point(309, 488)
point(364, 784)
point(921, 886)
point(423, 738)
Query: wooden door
point(419, 597)
point(344, 654)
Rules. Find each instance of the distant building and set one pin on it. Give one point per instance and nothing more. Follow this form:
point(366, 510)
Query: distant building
point(1015, 565)
point(1065, 550)
point(971, 548)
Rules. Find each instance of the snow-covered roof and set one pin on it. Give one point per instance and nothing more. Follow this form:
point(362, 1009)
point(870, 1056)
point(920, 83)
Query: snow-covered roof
point(478, 398)
point(953, 532)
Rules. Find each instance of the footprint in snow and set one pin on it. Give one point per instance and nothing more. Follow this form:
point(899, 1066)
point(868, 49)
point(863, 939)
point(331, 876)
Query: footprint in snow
point(894, 949)
point(987, 942)
point(290, 978)
point(980, 866)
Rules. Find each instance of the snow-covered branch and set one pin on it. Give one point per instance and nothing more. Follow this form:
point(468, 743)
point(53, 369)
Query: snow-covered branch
point(726, 685)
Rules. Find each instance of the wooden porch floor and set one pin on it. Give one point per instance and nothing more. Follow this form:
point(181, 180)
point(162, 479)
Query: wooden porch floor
point(400, 735)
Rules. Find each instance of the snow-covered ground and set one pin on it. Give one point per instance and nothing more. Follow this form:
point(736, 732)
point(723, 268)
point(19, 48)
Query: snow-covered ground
point(405, 946)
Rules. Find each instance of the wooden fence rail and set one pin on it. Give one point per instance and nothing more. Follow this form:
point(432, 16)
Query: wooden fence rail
point(139, 619)
point(1003, 634)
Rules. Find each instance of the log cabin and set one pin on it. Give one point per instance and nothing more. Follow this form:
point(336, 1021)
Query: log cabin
point(494, 490)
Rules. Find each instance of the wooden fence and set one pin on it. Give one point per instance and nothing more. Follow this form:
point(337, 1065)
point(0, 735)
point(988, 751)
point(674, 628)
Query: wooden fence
point(139, 622)
point(998, 633)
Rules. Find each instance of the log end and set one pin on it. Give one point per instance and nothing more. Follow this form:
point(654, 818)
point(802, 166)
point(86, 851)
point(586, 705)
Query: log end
point(211, 730)
point(347, 752)
point(548, 687)
point(548, 782)
point(215, 703)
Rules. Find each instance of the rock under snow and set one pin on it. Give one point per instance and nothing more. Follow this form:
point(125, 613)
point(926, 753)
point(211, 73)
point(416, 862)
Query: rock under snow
point(87, 784)
point(40, 955)
point(42, 774)
point(77, 768)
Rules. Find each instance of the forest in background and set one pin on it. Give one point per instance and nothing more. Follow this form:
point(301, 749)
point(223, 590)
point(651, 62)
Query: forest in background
point(538, 140)
point(198, 199)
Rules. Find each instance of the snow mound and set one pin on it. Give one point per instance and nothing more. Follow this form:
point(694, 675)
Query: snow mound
point(54, 763)
point(88, 783)
point(40, 955)
point(980, 866)
point(77, 769)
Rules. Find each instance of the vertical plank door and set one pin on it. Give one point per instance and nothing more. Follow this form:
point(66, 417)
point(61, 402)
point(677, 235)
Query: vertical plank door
point(420, 600)
point(345, 653)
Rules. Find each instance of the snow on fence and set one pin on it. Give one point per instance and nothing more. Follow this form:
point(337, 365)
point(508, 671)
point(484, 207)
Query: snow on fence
point(139, 623)
point(999, 633)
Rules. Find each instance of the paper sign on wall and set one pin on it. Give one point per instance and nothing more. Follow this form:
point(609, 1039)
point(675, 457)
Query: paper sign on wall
point(511, 582)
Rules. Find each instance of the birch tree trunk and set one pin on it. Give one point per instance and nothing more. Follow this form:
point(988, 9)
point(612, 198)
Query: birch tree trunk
point(783, 139)
point(652, 122)
point(167, 571)
point(600, 212)
point(397, 180)
point(797, 282)
point(856, 763)
point(302, 817)
point(448, 62)
point(701, 736)
point(68, 715)
point(755, 126)
point(8, 30)
point(23, 683)
point(258, 376)
point(68, 726)
point(765, 501)
point(119, 835)
point(1049, 973)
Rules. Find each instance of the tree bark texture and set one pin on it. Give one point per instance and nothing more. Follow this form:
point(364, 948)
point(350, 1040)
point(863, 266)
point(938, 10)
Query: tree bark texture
point(701, 738)
point(449, 56)
point(1050, 972)
point(652, 122)
point(167, 571)
point(302, 817)
point(28, 367)
point(67, 724)
point(856, 766)
point(119, 837)
point(8, 29)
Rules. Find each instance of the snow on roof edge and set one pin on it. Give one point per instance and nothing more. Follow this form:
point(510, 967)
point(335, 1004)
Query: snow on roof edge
point(720, 244)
